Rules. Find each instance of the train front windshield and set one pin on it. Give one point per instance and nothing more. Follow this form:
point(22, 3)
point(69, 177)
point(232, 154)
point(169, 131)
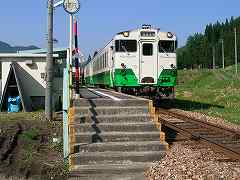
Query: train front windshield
point(167, 46)
point(126, 45)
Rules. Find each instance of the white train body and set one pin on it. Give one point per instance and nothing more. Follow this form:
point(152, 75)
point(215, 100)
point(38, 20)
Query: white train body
point(137, 58)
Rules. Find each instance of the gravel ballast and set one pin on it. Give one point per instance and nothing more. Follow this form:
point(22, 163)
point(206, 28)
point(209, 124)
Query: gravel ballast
point(213, 120)
point(196, 161)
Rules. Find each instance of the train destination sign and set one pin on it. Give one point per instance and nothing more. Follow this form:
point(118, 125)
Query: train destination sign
point(71, 6)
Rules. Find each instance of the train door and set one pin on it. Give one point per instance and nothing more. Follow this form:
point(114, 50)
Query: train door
point(148, 62)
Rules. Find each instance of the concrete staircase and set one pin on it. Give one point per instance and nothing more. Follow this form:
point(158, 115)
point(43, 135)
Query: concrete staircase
point(113, 139)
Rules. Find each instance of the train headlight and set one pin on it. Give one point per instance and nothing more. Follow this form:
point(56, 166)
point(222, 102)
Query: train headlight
point(169, 35)
point(126, 34)
point(123, 66)
point(165, 79)
point(173, 67)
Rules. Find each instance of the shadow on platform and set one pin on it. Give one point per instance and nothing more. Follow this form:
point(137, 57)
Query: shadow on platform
point(185, 104)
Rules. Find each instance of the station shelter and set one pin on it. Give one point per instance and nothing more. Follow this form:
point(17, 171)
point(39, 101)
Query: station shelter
point(23, 75)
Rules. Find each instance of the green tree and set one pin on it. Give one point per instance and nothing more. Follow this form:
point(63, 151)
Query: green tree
point(198, 51)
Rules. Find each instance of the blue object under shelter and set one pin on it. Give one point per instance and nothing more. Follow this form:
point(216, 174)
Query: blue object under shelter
point(14, 104)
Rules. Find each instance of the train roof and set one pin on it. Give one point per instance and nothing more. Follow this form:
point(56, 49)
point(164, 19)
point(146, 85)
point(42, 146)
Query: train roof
point(144, 27)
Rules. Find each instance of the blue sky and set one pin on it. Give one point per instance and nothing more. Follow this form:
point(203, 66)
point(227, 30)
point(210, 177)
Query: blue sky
point(25, 22)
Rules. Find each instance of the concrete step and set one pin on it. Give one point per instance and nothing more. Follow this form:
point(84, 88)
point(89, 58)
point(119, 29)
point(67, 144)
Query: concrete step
point(110, 176)
point(116, 137)
point(115, 94)
point(118, 157)
point(109, 102)
point(85, 93)
point(111, 171)
point(109, 127)
point(81, 119)
point(121, 146)
point(114, 110)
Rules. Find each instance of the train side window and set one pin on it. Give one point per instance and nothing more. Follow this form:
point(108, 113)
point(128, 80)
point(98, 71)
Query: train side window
point(147, 49)
point(106, 59)
point(103, 60)
point(98, 64)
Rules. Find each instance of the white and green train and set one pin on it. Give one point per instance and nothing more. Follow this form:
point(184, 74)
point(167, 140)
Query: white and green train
point(136, 60)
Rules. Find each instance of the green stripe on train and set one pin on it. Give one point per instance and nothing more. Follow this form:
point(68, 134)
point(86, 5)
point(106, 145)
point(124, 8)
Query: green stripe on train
point(127, 78)
point(88, 80)
point(167, 78)
point(103, 78)
point(121, 78)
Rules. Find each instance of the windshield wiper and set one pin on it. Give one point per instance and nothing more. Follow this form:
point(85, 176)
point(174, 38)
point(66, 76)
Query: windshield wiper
point(124, 48)
point(164, 50)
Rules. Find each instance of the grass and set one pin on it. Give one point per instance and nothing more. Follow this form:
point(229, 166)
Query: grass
point(6, 117)
point(35, 153)
point(214, 92)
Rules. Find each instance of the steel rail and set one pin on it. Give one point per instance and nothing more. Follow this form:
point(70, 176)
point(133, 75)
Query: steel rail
point(230, 151)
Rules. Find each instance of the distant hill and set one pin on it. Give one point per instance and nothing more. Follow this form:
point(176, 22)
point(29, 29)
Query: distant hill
point(6, 48)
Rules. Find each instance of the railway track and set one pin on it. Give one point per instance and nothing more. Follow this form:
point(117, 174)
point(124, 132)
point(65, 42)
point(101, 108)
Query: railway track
point(220, 138)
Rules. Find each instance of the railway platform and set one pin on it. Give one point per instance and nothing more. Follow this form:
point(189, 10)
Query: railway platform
point(112, 136)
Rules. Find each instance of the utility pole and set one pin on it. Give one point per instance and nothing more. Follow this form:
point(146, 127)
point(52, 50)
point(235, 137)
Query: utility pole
point(213, 49)
point(223, 60)
point(236, 57)
point(49, 67)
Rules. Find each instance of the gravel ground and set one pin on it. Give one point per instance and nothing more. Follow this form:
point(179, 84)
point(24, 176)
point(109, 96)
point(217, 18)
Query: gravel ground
point(196, 161)
point(218, 121)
